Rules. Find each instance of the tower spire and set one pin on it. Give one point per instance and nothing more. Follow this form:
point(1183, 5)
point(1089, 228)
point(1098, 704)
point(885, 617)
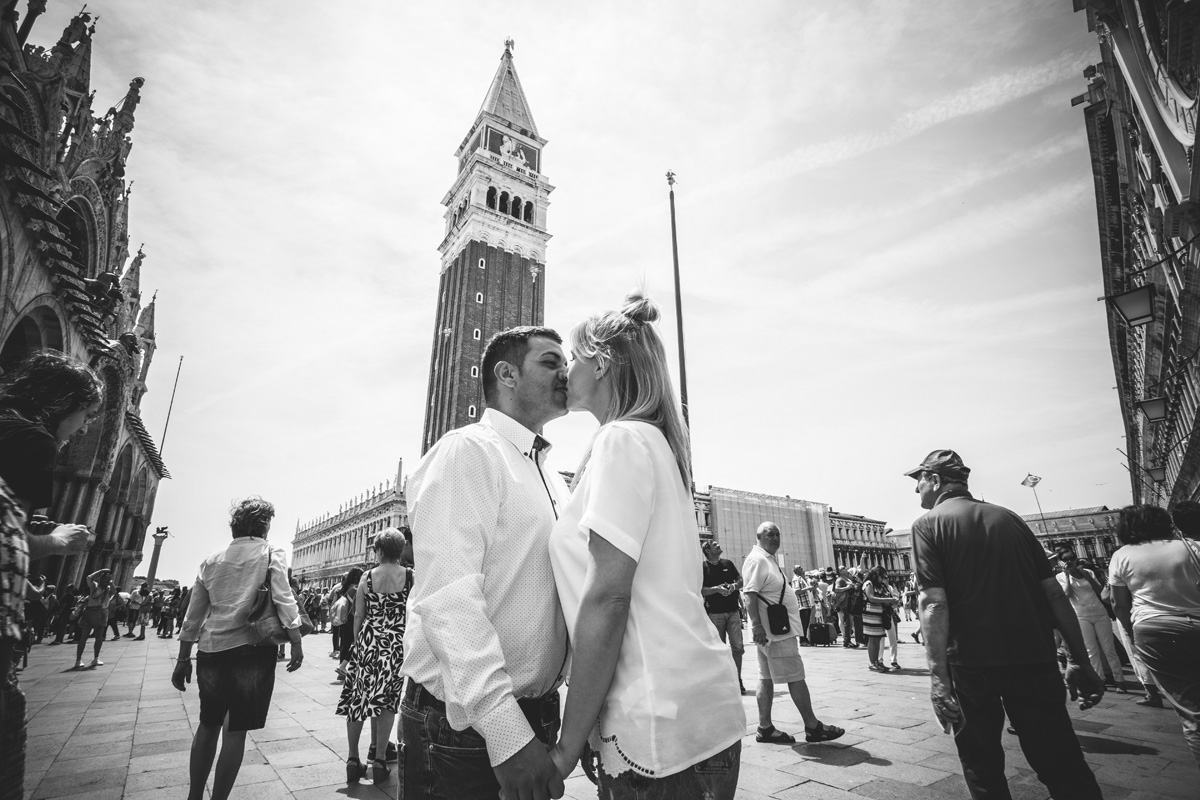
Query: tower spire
point(505, 98)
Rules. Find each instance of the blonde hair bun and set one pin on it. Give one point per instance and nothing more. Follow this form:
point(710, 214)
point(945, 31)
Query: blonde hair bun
point(640, 308)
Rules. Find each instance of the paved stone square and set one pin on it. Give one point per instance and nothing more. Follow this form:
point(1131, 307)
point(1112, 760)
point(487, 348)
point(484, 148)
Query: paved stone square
point(122, 731)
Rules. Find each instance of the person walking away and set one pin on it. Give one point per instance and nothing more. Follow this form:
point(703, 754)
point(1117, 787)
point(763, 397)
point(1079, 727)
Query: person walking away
point(133, 611)
point(116, 615)
point(484, 657)
point(625, 565)
point(721, 593)
point(44, 401)
point(345, 628)
point(877, 618)
point(1155, 582)
point(235, 672)
point(778, 651)
point(374, 678)
point(989, 604)
point(166, 616)
point(1083, 590)
point(93, 620)
point(323, 614)
point(803, 594)
point(843, 594)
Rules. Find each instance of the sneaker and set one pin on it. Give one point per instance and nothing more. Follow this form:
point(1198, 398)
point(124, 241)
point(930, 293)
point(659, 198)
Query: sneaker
point(140, 637)
point(116, 638)
point(895, 665)
point(130, 635)
point(878, 666)
point(850, 645)
point(95, 663)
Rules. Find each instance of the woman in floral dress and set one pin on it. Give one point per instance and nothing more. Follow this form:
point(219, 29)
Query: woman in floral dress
point(373, 678)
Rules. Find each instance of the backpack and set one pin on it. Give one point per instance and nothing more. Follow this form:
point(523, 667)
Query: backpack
point(340, 611)
point(858, 601)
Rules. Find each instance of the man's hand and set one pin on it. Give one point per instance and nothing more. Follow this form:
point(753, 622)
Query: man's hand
point(530, 774)
point(1084, 680)
point(945, 705)
point(181, 675)
point(760, 635)
point(297, 657)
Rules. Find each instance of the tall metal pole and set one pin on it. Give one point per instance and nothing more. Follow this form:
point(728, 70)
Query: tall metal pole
point(683, 395)
point(162, 443)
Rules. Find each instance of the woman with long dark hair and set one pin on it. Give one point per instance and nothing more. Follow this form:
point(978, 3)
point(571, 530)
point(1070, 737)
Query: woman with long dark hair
point(345, 631)
point(878, 618)
point(44, 401)
point(1155, 586)
point(651, 685)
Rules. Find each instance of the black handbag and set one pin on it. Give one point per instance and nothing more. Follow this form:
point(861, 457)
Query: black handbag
point(778, 619)
point(264, 619)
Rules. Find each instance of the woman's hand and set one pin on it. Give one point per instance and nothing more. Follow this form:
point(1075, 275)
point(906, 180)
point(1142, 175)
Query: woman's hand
point(562, 762)
point(297, 657)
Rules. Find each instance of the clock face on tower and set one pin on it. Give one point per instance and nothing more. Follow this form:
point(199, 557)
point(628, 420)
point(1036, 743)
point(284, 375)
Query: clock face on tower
point(510, 149)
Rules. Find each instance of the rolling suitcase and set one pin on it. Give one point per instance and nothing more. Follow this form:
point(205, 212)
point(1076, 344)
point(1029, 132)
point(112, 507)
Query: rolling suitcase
point(820, 633)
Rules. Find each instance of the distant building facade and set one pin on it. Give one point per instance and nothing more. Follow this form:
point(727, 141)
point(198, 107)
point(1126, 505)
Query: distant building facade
point(493, 253)
point(1140, 116)
point(324, 550)
point(861, 540)
point(67, 282)
point(1090, 532)
point(732, 517)
point(902, 541)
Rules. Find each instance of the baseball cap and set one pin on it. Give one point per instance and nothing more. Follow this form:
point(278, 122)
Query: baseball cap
point(946, 463)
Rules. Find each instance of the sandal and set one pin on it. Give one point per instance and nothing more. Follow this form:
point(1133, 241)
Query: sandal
point(354, 770)
point(379, 771)
point(772, 735)
point(1152, 702)
point(823, 733)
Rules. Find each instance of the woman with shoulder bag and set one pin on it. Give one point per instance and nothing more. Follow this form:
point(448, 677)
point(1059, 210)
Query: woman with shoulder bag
point(878, 602)
point(235, 666)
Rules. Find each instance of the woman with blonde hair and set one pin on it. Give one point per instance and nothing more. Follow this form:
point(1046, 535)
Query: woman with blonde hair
point(651, 685)
point(373, 677)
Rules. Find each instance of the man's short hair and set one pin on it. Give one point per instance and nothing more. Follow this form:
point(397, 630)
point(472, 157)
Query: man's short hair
point(511, 345)
point(251, 517)
point(707, 544)
point(1187, 518)
point(767, 526)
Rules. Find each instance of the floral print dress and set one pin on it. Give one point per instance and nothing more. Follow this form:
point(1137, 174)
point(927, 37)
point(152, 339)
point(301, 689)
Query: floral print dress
point(373, 677)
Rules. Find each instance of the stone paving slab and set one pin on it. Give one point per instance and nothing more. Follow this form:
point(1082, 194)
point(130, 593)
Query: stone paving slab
point(122, 731)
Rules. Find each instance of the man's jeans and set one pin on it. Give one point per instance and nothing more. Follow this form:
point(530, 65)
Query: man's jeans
point(1170, 649)
point(1034, 697)
point(439, 763)
point(714, 778)
point(729, 628)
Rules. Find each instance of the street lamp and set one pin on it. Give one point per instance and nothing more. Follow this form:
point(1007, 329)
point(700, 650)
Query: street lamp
point(1155, 408)
point(1157, 474)
point(1136, 306)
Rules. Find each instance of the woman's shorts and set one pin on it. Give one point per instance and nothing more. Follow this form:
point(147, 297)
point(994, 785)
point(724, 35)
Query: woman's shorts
point(237, 682)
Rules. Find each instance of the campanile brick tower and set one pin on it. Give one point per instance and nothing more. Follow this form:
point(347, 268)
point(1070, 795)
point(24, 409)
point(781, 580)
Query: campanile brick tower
point(494, 252)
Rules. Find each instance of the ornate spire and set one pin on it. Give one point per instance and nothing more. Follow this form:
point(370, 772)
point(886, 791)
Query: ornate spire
point(132, 281)
point(145, 326)
point(505, 97)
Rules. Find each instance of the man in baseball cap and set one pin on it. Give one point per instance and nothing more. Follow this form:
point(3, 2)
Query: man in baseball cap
point(989, 603)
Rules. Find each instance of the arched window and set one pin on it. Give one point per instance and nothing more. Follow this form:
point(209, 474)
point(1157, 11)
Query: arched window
point(491, 197)
point(504, 202)
point(476, 335)
point(482, 264)
point(471, 412)
point(516, 207)
point(479, 297)
point(528, 212)
point(474, 372)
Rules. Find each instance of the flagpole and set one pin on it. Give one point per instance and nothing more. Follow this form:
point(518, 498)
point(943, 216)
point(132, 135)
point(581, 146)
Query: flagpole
point(683, 392)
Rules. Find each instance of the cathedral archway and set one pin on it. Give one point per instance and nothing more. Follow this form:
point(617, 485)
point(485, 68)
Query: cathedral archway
point(38, 329)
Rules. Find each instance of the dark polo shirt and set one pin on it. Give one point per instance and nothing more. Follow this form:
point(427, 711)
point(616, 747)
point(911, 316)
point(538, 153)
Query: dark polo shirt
point(714, 575)
point(991, 566)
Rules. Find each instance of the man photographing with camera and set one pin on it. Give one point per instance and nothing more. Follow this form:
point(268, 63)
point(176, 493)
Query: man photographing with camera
point(722, 600)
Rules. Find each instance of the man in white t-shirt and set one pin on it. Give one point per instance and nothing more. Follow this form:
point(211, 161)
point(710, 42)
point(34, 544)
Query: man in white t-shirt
point(778, 653)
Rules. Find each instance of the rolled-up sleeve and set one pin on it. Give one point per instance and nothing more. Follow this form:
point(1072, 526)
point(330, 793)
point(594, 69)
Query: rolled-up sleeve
point(620, 493)
point(281, 591)
point(197, 612)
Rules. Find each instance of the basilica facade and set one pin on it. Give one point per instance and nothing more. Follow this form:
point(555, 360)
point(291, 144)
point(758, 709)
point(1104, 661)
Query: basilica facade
point(68, 282)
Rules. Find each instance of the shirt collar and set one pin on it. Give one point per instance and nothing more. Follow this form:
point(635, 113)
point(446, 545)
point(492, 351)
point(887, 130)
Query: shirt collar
point(521, 437)
point(950, 495)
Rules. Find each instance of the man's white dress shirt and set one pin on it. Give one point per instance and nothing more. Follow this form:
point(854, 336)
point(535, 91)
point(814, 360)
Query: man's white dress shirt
point(224, 592)
point(484, 622)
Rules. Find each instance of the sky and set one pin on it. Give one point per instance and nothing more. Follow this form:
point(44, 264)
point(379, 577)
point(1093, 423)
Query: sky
point(887, 236)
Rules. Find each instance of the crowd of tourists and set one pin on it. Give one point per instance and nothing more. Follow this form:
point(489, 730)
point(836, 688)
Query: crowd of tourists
point(510, 584)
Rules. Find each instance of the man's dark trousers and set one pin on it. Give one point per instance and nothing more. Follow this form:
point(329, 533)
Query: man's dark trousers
point(1034, 698)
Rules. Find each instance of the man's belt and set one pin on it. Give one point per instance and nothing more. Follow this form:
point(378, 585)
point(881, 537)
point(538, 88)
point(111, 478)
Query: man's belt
point(533, 708)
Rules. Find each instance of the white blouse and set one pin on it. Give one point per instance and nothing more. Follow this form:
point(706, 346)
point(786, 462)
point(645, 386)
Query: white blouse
point(674, 699)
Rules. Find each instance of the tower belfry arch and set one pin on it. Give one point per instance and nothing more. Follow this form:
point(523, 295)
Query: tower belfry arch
point(493, 254)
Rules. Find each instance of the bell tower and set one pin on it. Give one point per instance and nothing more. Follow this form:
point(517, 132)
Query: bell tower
point(493, 266)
